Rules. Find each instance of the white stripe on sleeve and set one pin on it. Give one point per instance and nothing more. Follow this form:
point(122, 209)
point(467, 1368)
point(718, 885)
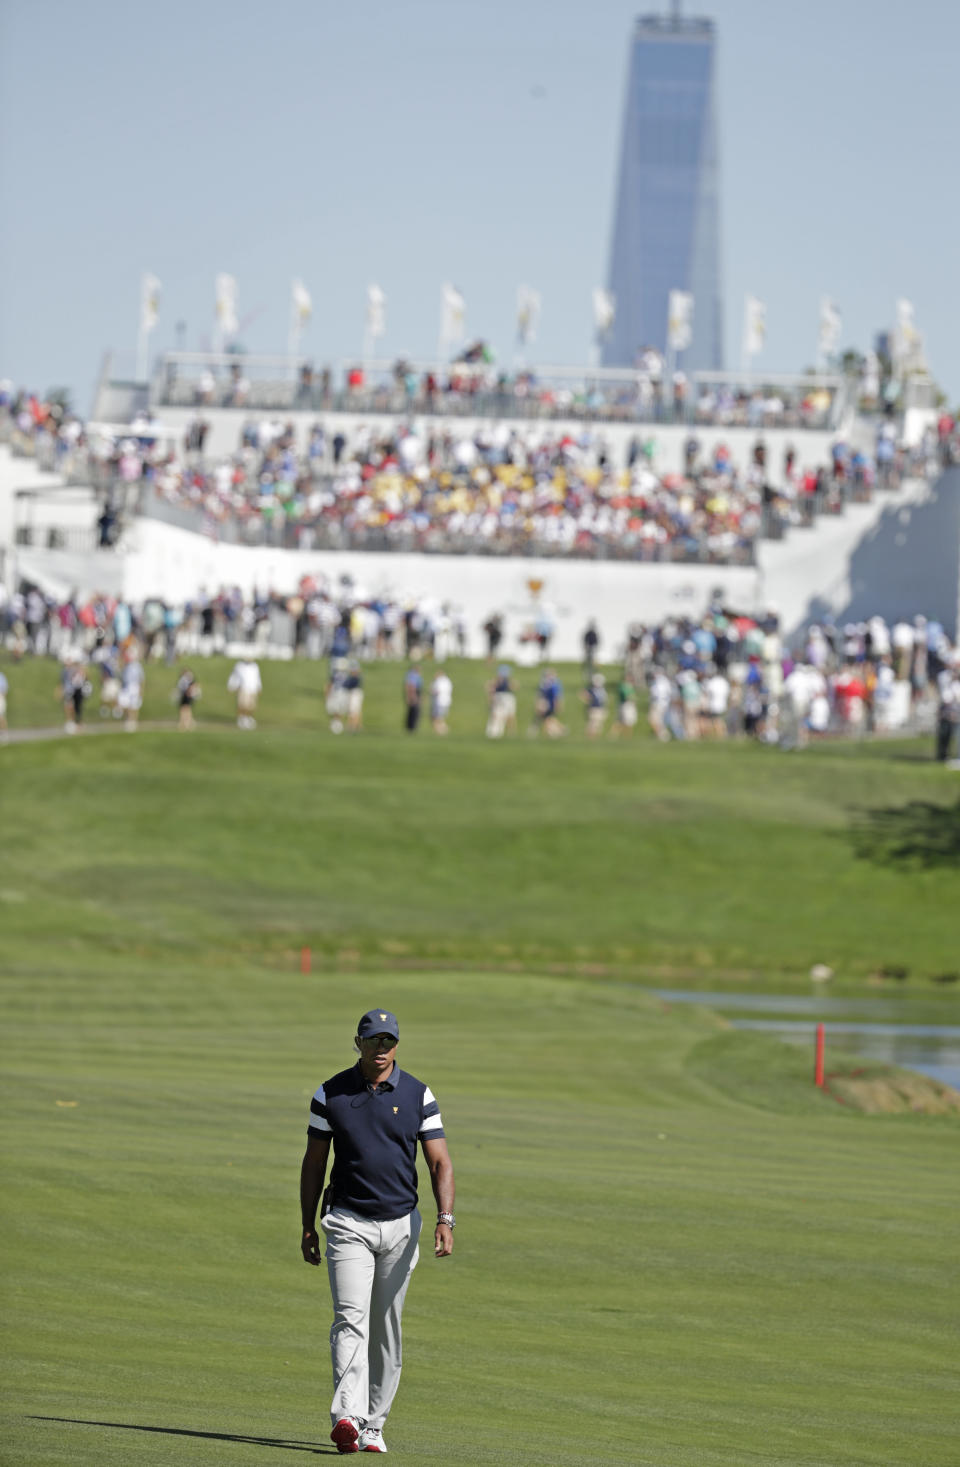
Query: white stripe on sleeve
point(432, 1123)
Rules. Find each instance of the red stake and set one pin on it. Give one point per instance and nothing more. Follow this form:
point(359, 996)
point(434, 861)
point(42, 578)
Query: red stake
point(818, 1063)
point(304, 960)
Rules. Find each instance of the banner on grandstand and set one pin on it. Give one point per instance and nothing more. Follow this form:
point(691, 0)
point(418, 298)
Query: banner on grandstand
point(376, 319)
point(528, 313)
point(452, 315)
point(604, 311)
point(302, 303)
point(226, 306)
point(679, 320)
point(149, 302)
point(754, 327)
point(830, 324)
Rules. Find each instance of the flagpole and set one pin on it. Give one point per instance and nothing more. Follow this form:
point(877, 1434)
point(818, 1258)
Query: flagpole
point(293, 338)
point(142, 351)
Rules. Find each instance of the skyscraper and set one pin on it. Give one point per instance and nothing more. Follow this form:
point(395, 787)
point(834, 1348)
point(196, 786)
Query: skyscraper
point(666, 220)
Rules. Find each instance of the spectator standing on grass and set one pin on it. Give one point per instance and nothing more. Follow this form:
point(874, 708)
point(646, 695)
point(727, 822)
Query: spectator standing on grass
point(132, 680)
point(188, 691)
point(691, 698)
point(493, 630)
point(548, 706)
point(754, 703)
point(74, 691)
point(353, 687)
point(661, 694)
point(4, 690)
point(626, 716)
point(594, 698)
point(716, 691)
point(502, 704)
point(374, 1115)
point(246, 683)
point(336, 695)
point(948, 712)
point(108, 661)
point(441, 697)
point(591, 641)
point(412, 699)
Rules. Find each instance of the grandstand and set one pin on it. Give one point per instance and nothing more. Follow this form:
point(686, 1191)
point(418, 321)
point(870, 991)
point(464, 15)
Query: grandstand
point(473, 488)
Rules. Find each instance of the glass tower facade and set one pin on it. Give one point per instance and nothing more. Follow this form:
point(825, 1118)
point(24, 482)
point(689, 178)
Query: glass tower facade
point(666, 221)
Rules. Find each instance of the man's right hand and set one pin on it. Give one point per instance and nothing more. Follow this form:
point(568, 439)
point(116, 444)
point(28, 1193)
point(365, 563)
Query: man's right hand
point(310, 1246)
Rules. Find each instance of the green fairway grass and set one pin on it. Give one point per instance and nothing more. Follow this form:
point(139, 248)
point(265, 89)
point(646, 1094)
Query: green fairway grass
point(648, 1269)
point(671, 1250)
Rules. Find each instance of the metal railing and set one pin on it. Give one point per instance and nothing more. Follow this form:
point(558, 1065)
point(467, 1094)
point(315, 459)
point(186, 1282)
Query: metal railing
point(77, 539)
point(472, 389)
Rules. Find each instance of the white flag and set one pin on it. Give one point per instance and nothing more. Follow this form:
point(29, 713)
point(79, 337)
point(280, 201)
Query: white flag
point(528, 313)
point(830, 324)
point(302, 304)
point(376, 311)
point(604, 310)
point(754, 326)
point(452, 312)
point(227, 305)
point(149, 302)
point(679, 320)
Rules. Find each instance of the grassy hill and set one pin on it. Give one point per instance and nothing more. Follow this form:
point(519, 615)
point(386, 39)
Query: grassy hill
point(712, 859)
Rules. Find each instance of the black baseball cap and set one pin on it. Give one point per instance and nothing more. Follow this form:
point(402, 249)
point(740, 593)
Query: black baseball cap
point(378, 1021)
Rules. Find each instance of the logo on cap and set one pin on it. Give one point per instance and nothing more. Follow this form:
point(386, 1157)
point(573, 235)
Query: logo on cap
point(383, 1016)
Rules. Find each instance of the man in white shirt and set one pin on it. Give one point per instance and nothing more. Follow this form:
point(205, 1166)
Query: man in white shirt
point(132, 681)
point(717, 691)
point(245, 682)
point(661, 692)
point(441, 697)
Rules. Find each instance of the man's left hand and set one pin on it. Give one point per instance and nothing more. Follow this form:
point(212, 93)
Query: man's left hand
point(442, 1240)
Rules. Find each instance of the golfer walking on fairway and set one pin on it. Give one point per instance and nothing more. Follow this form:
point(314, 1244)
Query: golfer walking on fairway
point(374, 1113)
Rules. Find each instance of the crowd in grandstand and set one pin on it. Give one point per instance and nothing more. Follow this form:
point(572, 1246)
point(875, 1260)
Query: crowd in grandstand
point(503, 489)
point(722, 675)
point(474, 385)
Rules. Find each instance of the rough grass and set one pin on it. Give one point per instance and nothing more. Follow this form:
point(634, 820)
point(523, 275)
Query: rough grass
point(716, 863)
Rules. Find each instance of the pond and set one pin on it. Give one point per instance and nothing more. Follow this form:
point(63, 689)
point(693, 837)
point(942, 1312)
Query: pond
point(873, 1028)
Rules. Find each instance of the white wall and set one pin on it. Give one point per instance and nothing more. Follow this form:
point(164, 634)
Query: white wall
point(165, 561)
point(898, 556)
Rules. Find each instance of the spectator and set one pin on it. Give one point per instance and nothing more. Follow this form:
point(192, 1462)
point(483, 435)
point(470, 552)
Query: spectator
point(246, 683)
point(187, 693)
point(412, 698)
point(441, 697)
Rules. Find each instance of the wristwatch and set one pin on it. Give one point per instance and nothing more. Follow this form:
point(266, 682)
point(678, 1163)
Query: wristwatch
point(447, 1217)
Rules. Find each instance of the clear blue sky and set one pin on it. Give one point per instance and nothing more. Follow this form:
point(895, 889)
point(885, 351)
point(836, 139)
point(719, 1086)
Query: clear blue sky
point(431, 139)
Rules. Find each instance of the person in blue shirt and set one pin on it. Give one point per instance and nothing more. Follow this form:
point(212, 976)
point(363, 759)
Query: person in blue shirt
point(412, 699)
point(548, 705)
point(374, 1115)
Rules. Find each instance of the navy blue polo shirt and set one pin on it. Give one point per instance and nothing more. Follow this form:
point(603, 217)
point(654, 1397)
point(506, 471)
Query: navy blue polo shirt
point(375, 1130)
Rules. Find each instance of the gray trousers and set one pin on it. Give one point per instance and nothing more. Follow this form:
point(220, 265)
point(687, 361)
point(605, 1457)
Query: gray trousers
point(369, 1264)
